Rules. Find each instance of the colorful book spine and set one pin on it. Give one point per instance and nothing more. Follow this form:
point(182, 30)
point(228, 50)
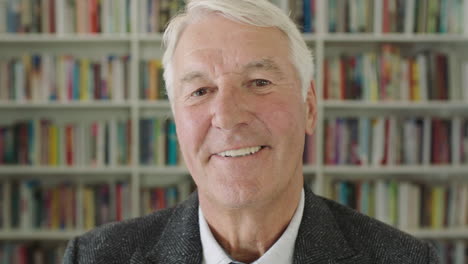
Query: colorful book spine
point(160, 197)
point(45, 78)
point(47, 143)
point(406, 205)
point(388, 76)
point(388, 141)
point(158, 142)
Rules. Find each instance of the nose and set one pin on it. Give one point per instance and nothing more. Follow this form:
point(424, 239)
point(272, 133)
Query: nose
point(230, 109)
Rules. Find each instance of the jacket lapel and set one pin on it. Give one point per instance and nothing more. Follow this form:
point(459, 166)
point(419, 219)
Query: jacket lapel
point(180, 241)
point(319, 239)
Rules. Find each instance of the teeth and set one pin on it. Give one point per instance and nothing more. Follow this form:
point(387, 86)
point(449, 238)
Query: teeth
point(240, 152)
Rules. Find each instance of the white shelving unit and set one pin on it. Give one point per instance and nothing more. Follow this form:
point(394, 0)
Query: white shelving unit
point(140, 46)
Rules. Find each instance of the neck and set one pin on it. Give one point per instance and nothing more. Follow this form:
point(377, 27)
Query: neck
point(247, 233)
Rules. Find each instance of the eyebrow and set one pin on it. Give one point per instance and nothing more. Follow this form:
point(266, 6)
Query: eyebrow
point(262, 64)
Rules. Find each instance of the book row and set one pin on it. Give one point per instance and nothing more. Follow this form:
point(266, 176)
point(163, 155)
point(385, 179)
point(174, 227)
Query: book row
point(31, 253)
point(396, 140)
point(158, 142)
point(155, 14)
point(407, 205)
point(396, 16)
point(44, 78)
point(303, 12)
point(41, 205)
point(152, 86)
point(389, 76)
point(46, 142)
point(451, 252)
point(156, 198)
point(65, 16)
point(63, 205)
point(423, 16)
point(350, 16)
point(436, 16)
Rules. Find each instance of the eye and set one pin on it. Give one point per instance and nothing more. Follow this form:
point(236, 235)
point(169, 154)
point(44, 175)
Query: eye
point(260, 82)
point(199, 92)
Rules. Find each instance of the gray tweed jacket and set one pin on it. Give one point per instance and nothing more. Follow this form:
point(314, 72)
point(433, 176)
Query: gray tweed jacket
point(329, 233)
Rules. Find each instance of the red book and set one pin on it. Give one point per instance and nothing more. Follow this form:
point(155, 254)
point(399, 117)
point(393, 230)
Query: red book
point(442, 78)
point(385, 17)
point(52, 15)
point(118, 202)
point(69, 144)
point(93, 16)
point(436, 144)
point(160, 198)
point(384, 160)
point(329, 143)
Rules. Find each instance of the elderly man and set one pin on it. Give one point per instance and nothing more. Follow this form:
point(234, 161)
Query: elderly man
point(239, 78)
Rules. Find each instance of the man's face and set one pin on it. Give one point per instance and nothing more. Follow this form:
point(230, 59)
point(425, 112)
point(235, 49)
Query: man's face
point(239, 111)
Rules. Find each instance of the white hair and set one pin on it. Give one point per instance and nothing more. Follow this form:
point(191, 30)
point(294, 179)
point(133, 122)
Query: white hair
point(254, 12)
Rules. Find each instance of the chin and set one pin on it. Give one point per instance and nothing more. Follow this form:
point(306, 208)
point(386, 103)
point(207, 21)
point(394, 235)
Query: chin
point(238, 195)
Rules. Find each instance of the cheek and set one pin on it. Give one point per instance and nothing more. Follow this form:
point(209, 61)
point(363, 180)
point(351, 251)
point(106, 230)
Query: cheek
point(284, 119)
point(191, 128)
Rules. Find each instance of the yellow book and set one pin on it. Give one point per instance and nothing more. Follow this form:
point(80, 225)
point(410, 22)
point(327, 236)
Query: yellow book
point(374, 85)
point(437, 204)
point(84, 76)
point(415, 82)
point(53, 145)
point(88, 208)
point(153, 80)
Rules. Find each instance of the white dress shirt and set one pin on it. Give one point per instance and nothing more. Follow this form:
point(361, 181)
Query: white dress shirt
point(281, 252)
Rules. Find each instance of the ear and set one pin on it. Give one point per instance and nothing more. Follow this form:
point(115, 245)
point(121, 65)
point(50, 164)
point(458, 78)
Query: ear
point(311, 109)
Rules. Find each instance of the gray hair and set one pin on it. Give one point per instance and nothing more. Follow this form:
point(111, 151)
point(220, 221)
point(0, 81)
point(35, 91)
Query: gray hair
point(254, 12)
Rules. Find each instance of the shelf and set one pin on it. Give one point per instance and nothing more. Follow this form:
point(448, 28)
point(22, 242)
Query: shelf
point(452, 233)
point(65, 105)
point(158, 104)
point(49, 38)
point(38, 170)
point(309, 169)
point(167, 170)
point(39, 235)
point(393, 37)
point(151, 37)
point(434, 171)
point(395, 105)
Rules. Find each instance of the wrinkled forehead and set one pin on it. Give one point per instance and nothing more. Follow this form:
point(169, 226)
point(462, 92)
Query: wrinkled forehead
point(230, 44)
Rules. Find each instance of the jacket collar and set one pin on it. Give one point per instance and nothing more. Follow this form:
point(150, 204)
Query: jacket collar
point(319, 239)
point(180, 241)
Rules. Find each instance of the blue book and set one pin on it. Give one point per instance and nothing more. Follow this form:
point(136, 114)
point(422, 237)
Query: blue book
point(364, 137)
point(12, 17)
point(365, 192)
point(76, 80)
point(332, 27)
point(443, 16)
point(307, 16)
point(171, 143)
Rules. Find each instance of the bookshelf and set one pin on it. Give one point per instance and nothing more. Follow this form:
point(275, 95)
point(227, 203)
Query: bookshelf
point(140, 44)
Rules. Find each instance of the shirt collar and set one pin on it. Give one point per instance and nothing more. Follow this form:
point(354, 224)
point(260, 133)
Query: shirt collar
point(281, 252)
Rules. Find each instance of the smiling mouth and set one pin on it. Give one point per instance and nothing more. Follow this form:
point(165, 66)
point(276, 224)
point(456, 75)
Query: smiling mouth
point(240, 152)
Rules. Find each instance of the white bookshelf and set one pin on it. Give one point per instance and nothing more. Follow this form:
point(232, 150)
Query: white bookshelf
point(140, 45)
